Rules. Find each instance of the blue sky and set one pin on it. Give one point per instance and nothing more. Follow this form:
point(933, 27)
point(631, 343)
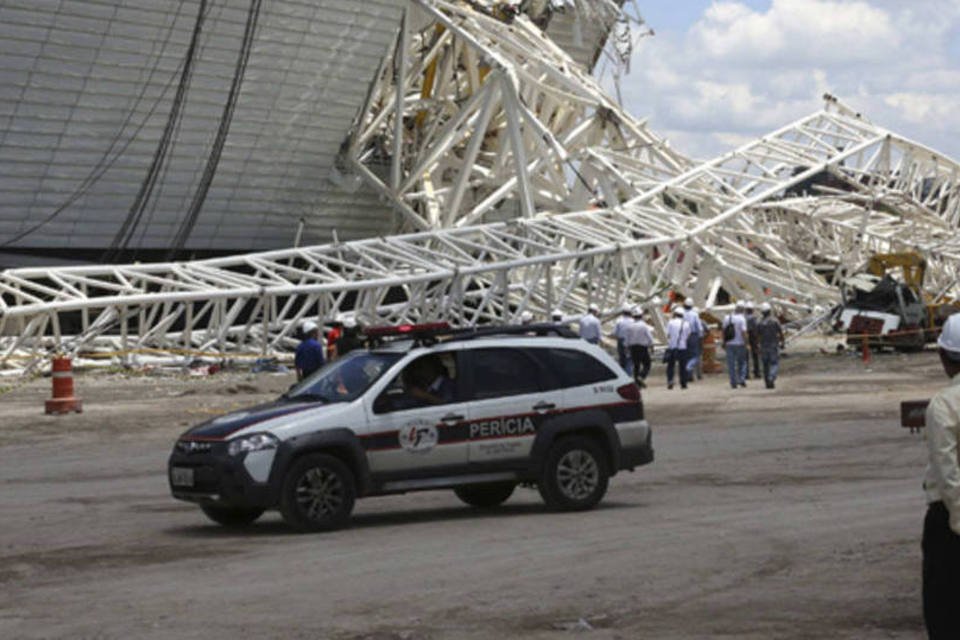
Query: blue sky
point(719, 73)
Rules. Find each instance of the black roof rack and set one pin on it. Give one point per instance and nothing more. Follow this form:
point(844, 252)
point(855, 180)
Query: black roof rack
point(433, 334)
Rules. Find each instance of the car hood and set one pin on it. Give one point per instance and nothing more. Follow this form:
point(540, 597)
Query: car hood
point(227, 425)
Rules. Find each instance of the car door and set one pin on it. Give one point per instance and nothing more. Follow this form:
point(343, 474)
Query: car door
point(410, 438)
point(510, 400)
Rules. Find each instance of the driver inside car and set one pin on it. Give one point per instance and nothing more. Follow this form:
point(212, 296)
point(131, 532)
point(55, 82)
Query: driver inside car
point(426, 382)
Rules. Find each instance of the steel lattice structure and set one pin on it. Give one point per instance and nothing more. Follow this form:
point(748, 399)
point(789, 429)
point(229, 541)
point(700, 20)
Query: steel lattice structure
point(473, 118)
point(772, 220)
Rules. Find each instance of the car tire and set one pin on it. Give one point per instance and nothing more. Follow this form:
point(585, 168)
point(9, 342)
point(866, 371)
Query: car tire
point(575, 475)
point(485, 496)
point(231, 516)
point(318, 493)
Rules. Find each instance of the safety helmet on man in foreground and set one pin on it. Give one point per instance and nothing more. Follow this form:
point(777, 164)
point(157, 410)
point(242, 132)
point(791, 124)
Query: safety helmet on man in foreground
point(949, 339)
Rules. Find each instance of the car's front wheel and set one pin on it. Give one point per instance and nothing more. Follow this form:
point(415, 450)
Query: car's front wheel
point(485, 495)
point(231, 516)
point(318, 493)
point(574, 475)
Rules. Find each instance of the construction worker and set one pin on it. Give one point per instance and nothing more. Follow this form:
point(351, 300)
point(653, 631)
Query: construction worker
point(590, 325)
point(734, 343)
point(309, 354)
point(752, 339)
point(678, 333)
point(638, 338)
point(350, 338)
point(556, 317)
point(619, 330)
point(526, 318)
point(695, 342)
point(770, 342)
point(941, 527)
point(333, 335)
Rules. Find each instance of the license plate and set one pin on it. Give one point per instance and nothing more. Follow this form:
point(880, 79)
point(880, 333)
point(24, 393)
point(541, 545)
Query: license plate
point(181, 477)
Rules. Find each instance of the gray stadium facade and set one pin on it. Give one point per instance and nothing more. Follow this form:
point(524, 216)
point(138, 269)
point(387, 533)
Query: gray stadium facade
point(142, 130)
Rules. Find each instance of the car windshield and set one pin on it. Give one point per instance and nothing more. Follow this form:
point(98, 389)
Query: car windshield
point(345, 379)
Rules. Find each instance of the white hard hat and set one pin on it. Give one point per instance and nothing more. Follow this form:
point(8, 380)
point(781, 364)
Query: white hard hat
point(688, 302)
point(678, 310)
point(637, 311)
point(526, 317)
point(556, 314)
point(349, 322)
point(765, 307)
point(949, 339)
point(748, 304)
point(626, 308)
point(593, 308)
point(309, 326)
point(738, 305)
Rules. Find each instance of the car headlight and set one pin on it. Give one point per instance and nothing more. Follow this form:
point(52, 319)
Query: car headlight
point(256, 442)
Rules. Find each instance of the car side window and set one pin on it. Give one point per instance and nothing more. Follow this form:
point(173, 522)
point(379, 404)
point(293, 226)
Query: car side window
point(576, 368)
point(503, 372)
point(429, 380)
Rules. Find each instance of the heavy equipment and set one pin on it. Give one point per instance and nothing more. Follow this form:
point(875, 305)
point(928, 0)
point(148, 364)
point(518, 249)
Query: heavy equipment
point(884, 309)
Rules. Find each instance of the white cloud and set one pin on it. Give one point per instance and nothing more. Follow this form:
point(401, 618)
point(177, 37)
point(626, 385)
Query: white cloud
point(738, 73)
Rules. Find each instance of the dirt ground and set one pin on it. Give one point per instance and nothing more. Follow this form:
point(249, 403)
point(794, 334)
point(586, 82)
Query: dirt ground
point(788, 514)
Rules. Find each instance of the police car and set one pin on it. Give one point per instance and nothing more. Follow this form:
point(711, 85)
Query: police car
point(478, 411)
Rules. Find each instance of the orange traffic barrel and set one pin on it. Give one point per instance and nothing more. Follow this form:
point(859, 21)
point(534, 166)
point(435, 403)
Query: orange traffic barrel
point(63, 400)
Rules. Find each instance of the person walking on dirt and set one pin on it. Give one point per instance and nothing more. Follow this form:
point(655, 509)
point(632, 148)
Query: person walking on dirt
point(941, 527)
point(770, 341)
point(619, 332)
point(752, 341)
point(638, 337)
point(734, 343)
point(590, 325)
point(695, 342)
point(309, 355)
point(678, 335)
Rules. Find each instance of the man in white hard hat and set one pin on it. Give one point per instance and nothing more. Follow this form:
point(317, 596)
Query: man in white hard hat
point(309, 354)
point(941, 527)
point(770, 342)
point(638, 337)
point(619, 332)
point(556, 316)
point(695, 342)
point(678, 334)
point(350, 338)
point(526, 318)
point(590, 325)
point(735, 345)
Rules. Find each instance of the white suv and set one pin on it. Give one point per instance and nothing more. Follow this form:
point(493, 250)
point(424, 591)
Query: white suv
point(424, 407)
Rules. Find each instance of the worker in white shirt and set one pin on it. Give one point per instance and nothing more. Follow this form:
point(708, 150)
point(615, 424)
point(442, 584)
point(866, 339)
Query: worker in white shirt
point(941, 527)
point(735, 344)
point(619, 330)
point(678, 333)
point(638, 337)
point(695, 343)
point(590, 325)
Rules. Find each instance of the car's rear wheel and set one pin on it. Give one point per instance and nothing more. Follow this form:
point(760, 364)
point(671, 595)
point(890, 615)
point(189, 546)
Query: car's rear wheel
point(231, 516)
point(485, 495)
point(318, 493)
point(575, 474)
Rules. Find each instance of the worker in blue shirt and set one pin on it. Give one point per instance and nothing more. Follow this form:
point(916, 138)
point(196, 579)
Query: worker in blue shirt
point(309, 355)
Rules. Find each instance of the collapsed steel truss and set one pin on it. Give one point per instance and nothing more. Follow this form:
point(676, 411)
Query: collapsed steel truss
point(775, 219)
point(473, 119)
